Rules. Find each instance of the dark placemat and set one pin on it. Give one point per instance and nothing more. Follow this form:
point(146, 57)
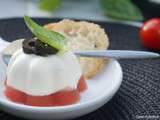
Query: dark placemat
point(139, 95)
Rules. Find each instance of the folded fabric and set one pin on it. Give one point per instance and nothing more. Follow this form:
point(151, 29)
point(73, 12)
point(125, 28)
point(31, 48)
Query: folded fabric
point(3, 44)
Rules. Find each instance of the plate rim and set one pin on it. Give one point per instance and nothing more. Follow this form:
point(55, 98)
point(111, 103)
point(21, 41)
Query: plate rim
point(136, 24)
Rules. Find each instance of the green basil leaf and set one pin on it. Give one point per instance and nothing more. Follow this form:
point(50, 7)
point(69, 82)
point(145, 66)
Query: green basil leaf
point(121, 9)
point(49, 5)
point(51, 38)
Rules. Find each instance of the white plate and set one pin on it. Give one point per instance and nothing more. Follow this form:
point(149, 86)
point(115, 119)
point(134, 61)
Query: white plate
point(100, 90)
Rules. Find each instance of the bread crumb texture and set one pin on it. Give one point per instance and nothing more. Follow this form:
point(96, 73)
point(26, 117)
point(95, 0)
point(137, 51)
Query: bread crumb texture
point(82, 35)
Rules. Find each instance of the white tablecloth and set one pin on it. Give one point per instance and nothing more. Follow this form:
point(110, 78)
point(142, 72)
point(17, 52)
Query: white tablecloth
point(80, 9)
point(88, 9)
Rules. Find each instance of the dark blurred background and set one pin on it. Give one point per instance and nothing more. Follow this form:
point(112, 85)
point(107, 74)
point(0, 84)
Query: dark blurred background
point(149, 8)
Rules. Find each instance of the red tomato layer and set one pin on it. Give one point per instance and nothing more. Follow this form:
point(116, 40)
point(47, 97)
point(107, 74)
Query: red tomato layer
point(60, 98)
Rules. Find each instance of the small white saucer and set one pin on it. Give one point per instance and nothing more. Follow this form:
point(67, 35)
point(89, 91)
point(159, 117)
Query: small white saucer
point(100, 90)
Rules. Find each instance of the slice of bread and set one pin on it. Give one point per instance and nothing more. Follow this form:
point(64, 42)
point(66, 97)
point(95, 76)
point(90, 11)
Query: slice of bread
point(82, 35)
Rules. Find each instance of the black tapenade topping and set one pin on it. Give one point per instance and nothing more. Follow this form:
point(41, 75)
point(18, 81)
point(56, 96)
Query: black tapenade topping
point(35, 46)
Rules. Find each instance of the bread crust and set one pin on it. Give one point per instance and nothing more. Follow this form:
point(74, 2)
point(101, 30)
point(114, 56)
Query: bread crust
point(82, 35)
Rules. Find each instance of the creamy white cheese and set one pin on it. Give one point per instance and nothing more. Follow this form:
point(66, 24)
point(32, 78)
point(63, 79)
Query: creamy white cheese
point(39, 76)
